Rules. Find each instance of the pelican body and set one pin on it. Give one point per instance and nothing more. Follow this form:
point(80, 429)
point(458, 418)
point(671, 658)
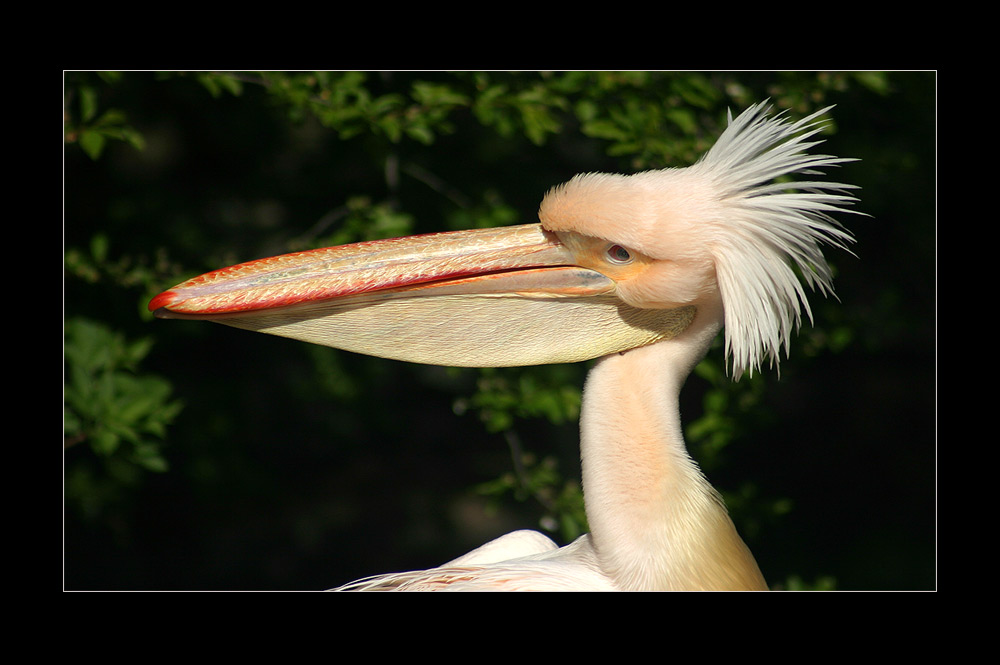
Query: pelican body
point(637, 271)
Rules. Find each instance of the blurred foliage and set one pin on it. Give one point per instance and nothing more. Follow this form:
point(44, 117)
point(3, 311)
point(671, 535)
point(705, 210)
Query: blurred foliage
point(796, 583)
point(540, 480)
point(119, 413)
point(89, 126)
point(170, 174)
point(503, 398)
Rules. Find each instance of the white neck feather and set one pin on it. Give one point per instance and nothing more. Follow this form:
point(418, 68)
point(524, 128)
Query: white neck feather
point(656, 522)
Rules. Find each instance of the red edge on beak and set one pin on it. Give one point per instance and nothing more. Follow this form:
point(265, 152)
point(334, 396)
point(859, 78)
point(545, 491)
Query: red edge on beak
point(381, 265)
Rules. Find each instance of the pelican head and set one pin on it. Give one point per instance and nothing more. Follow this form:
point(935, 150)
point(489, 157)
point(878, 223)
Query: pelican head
point(617, 262)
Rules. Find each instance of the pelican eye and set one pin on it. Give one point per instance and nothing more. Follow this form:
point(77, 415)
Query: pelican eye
point(618, 254)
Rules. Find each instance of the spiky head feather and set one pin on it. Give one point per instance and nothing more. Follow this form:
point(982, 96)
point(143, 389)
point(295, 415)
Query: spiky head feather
point(732, 223)
point(770, 225)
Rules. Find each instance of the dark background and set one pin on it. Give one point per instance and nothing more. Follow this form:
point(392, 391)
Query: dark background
point(294, 467)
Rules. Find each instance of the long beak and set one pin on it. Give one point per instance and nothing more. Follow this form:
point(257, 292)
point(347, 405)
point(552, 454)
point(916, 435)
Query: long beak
point(481, 298)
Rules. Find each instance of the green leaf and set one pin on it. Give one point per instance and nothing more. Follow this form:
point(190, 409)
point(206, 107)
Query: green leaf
point(434, 94)
point(217, 83)
point(92, 142)
point(99, 247)
point(88, 103)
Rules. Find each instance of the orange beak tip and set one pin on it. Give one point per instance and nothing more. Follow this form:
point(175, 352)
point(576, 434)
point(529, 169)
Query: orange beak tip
point(160, 303)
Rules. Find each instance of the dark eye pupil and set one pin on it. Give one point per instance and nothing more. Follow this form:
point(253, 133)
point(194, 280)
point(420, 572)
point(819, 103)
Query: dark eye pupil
point(619, 253)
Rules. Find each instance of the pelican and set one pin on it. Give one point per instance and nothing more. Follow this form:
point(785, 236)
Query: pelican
point(639, 272)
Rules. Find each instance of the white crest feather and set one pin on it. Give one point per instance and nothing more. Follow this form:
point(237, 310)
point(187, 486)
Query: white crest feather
point(769, 227)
